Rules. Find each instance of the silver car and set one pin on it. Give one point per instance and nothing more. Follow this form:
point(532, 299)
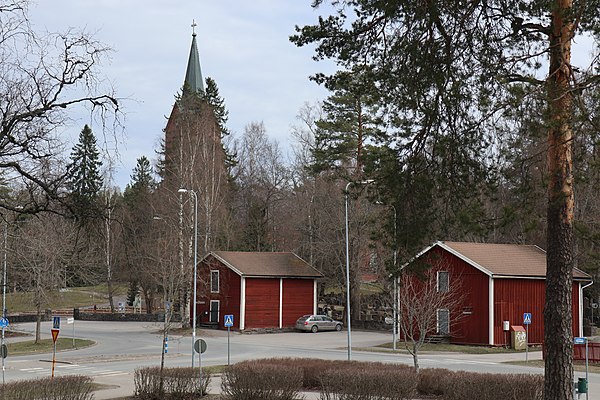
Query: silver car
point(315, 323)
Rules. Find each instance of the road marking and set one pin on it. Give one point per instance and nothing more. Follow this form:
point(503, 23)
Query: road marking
point(31, 369)
point(116, 373)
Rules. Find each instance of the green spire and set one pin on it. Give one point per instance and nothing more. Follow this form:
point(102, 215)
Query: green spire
point(193, 75)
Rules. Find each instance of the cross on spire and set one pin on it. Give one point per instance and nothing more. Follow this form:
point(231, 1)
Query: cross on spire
point(194, 25)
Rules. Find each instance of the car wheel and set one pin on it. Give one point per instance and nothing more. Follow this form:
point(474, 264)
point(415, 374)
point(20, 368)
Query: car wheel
point(314, 329)
point(338, 327)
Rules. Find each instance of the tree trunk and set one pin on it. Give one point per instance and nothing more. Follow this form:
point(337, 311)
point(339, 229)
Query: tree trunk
point(558, 308)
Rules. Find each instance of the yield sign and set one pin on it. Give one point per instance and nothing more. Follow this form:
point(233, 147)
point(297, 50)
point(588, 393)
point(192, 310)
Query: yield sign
point(55, 334)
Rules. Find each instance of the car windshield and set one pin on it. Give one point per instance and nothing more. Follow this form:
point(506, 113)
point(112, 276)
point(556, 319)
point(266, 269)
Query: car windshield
point(304, 318)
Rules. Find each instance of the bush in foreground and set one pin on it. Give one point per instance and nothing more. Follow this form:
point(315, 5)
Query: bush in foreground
point(469, 385)
point(60, 388)
point(370, 383)
point(177, 383)
point(257, 380)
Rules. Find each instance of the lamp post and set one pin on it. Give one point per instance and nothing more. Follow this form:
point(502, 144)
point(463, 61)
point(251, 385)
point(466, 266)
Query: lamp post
point(195, 265)
point(348, 268)
point(4, 291)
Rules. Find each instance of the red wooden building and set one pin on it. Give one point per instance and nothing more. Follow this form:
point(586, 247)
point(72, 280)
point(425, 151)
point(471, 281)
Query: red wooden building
point(260, 290)
point(498, 283)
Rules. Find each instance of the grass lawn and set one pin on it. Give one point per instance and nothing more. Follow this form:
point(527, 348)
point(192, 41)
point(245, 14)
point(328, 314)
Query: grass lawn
point(45, 346)
point(65, 298)
point(453, 348)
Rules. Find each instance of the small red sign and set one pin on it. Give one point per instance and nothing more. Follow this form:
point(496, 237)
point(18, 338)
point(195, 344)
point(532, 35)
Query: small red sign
point(55, 334)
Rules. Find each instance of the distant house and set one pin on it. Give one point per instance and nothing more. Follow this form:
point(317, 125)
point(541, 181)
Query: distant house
point(498, 282)
point(260, 289)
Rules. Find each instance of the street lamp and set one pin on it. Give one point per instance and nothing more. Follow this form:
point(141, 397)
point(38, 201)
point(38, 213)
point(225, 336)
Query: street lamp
point(195, 264)
point(348, 267)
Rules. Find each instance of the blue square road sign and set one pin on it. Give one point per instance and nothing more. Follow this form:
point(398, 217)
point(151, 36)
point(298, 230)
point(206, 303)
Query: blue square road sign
point(229, 320)
point(56, 323)
point(526, 318)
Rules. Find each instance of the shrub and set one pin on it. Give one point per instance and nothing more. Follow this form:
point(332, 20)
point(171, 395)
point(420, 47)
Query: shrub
point(60, 388)
point(434, 381)
point(467, 386)
point(177, 383)
point(256, 380)
point(391, 382)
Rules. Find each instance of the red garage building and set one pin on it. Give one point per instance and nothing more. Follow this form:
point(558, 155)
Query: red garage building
point(498, 283)
point(260, 290)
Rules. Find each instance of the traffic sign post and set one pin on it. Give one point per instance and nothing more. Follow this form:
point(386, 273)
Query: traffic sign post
point(526, 322)
point(3, 324)
point(228, 324)
point(584, 340)
point(55, 332)
point(200, 347)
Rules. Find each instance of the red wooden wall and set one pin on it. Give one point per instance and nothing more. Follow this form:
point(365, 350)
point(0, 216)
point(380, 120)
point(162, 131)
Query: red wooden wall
point(262, 303)
point(514, 297)
point(469, 322)
point(229, 292)
point(298, 295)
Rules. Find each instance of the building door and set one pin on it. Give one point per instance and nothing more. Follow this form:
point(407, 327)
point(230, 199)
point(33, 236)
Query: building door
point(214, 311)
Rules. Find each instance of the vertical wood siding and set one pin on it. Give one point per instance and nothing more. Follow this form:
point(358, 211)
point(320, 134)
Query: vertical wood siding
point(262, 303)
point(229, 292)
point(469, 321)
point(514, 297)
point(297, 300)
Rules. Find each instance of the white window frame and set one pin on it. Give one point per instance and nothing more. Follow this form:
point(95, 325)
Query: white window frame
point(438, 283)
point(212, 271)
point(438, 311)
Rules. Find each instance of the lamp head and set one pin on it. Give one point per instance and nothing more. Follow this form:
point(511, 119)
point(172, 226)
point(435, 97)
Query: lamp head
point(182, 190)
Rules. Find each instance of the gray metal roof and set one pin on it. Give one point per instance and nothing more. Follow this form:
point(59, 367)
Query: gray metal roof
point(193, 75)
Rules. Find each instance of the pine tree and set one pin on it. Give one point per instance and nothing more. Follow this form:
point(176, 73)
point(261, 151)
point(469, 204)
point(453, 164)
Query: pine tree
point(213, 97)
point(142, 183)
point(84, 179)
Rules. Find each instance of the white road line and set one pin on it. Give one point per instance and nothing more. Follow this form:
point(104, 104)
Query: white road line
point(30, 369)
point(116, 373)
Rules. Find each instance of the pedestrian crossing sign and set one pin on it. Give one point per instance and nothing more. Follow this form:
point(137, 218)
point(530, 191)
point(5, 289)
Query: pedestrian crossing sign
point(526, 318)
point(229, 320)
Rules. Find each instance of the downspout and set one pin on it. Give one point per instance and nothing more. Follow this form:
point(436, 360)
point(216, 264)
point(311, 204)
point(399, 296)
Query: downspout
point(581, 306)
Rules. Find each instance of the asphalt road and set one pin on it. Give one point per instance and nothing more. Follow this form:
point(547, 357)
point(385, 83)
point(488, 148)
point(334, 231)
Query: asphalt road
point(124, 346)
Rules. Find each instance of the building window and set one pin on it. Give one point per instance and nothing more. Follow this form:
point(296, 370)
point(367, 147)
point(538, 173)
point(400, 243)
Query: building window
point(214, 281)
point(443, 321)
point(443, 283)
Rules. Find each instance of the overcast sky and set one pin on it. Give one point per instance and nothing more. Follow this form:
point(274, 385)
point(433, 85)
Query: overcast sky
point(243, 46)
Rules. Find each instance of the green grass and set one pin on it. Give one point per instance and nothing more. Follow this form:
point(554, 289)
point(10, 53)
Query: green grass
point(452, 348)
point(66, 298)
point(45, 346)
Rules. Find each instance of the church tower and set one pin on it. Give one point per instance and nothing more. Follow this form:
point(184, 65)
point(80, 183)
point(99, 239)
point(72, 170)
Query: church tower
point(194, 157)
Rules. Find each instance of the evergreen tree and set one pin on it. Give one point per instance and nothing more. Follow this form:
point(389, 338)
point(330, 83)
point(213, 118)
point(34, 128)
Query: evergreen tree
point(84, 179)
point(213, 97)
point(142, 183)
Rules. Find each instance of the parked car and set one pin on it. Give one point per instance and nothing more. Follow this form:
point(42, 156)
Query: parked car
point(315, 323)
